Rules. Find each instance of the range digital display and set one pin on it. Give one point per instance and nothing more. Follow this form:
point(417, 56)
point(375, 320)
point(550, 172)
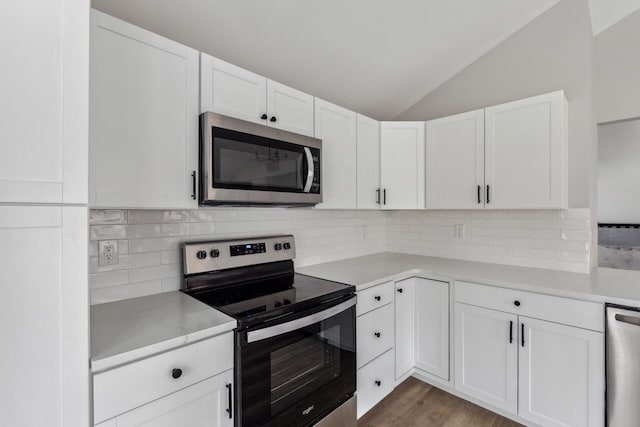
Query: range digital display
point(248, 249)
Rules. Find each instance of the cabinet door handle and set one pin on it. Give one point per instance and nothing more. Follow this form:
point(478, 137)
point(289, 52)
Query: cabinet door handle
point(522, 333)
point(263, 117)
point(377, 334)
point(378, 196)
point(479, 190)
point(384, 196)
point(377, 298)
point(273, 119)
point(400, 290)
point(378, 383)
point(488, 191)
point(176, 373)
point(230, 397)
point(510, 331)
point(193, 180)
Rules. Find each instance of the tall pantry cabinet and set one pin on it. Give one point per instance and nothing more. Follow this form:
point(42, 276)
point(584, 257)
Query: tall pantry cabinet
point(43, 212)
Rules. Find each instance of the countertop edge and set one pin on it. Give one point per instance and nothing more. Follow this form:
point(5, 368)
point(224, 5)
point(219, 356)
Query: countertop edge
point(109, 362)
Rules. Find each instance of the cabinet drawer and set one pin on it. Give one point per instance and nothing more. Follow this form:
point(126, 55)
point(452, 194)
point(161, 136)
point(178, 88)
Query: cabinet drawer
point(129, 386)
point(375, 333)
point(375, 381)
point(583, 314)
point(374, 297)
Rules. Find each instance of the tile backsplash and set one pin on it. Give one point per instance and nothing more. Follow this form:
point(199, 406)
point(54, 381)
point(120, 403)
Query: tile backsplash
point(149, 240)
point(550, 239)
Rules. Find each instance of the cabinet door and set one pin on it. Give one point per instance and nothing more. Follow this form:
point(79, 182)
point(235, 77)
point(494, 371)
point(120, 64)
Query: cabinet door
point(44, 101)
point(402, 165)
point(432, 327)
point(336, 127)
point(561, 374)
point(204, 404)
point(289, 109)
point(486, 355)
point(526, 153)
point(404, 326)
point(144, 117)
point(368, 164)
point(455, 161)
point(232, 91)
point(43, 316)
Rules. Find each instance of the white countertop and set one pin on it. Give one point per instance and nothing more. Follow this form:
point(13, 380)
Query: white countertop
point(124, 331)
point(603, 285)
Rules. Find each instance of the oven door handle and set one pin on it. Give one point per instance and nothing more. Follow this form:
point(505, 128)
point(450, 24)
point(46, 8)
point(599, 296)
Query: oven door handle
point(272, 331)
point(310, 169)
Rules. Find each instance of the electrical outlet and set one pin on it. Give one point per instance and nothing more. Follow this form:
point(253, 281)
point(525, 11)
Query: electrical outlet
point(458, 231)
point(108, 252)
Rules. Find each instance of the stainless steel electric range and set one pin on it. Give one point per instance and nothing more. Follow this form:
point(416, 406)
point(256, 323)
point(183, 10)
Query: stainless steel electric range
point(295, 345)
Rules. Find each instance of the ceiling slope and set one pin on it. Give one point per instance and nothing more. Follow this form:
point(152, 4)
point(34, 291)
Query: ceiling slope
point(375, 57)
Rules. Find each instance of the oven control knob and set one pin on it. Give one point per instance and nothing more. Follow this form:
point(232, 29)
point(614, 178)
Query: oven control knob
point(201, 254)
point(215, 253)
point(278, 246)
point(278, 304)
point(287, 245)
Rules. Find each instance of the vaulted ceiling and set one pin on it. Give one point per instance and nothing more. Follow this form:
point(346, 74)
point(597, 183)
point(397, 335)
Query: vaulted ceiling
point(374, 57)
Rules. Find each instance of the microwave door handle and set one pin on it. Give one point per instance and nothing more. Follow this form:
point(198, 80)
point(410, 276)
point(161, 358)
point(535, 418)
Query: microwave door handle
point(310, 168)
point(273, 331)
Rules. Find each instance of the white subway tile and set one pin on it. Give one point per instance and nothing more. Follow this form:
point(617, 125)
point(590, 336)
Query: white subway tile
point(109, 278)
point(155, 272)
point(107, 216)
point(116, 293)
point(107, 232)
point(157, 216)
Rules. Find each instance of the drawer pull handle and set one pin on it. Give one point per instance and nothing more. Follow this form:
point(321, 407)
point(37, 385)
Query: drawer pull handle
point(377, 298)
point(522, 327)
point(377, 334)
point(176, 373)
point(378, 383)
point(510, 331)
point(400, 290)
point(516, 303)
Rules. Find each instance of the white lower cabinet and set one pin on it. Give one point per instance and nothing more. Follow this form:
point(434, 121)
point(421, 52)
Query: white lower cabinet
point(546, 373)
point(187, 386)
point(205, 404)
point(431, 299)
point(404, 326)
point(487, 355)
point(375, 381)
point(561, 379)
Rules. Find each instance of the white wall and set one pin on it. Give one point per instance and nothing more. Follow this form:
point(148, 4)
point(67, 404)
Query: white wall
point(618, 70)
point(619, 172)
point(552, 52)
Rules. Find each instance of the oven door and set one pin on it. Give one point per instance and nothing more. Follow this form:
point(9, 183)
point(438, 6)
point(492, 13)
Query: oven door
point(295, 373)
point(248, 163)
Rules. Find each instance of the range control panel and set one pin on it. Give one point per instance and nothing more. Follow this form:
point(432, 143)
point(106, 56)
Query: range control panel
point(202, 257)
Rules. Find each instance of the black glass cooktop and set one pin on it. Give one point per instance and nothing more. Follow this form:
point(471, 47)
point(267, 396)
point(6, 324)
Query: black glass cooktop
point(265, 293)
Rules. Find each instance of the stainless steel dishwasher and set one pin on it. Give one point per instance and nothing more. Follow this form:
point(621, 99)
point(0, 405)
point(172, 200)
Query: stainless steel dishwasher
point(623, 366)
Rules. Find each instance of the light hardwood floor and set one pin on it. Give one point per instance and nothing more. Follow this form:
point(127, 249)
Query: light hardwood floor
point(414, 403)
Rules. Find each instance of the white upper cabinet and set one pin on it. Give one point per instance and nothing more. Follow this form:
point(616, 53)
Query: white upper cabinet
point(455, 161)
point(43, 102)
point(402, 165)
point(233, 91)
point(561, 378)
point(144, 117)
point(431, 299)
point(368, 165)
point(336, 127)
point(289, 109)
point(526, 153)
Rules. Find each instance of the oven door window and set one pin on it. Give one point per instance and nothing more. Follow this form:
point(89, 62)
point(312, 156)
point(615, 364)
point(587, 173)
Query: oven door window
point(249, 162)
point(293, 378)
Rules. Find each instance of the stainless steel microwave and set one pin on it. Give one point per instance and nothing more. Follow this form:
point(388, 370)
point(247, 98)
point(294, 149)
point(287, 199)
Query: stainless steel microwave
point(244, 163)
